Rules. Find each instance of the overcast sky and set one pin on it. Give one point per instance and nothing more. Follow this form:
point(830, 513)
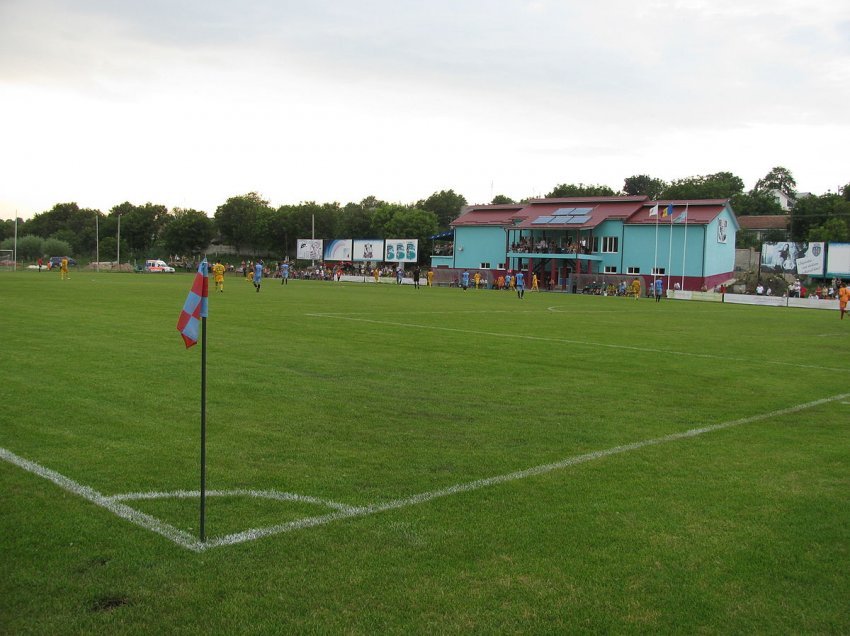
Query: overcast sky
point(189, 102)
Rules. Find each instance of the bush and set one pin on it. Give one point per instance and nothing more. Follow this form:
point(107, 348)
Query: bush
point(56, 247)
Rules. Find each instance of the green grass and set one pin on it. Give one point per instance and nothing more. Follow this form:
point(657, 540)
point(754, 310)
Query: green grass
point(364, 395)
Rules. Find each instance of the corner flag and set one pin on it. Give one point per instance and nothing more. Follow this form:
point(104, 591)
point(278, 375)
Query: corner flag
point(195, 306)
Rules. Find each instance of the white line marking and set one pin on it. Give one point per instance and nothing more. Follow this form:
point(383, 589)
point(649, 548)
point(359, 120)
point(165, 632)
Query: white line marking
point(125, 512)
point(583, 343)
point(258, 494)
point(347, 512)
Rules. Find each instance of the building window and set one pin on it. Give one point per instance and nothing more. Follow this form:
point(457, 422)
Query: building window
point(633, 270)
point(484, 266)
point(595, 244)
point(659, 271)
point(610, 269)
point(610, 244)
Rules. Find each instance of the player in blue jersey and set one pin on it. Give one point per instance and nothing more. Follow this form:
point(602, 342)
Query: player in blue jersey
point(258, 274)
point(284, 273)
point(520, 284)
point(659, 289)
point(464, 281)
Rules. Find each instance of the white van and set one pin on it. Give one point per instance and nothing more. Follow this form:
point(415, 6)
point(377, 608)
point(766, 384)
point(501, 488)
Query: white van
point(155, 265)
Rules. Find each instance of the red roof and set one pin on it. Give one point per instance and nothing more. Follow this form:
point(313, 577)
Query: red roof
point(502, 215)
point(632, 210)
point(700, 211)
point(599, 209)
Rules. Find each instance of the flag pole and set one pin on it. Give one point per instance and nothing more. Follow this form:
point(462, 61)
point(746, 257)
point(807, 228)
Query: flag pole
point(203, 424)
point(684, 246)
point(670, 248)
point(655, 258)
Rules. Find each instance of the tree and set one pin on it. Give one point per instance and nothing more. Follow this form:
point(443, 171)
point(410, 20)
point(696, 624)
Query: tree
point(643, 184)
point(721, 185)
point(355, 221)
point(70, 223)
point(833, 229)
point(580, 190)
point(778, 178)
point(756, 203)
point(140, 225)
point(814, 213)
point(30, 247)
point(187, 232)
point(501, 199)
point(7, 229)
point(236, 219)
point(56, 247)
point(446, 204)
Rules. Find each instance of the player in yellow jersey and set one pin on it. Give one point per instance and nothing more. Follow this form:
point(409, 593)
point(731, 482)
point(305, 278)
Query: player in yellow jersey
point(218, 275)
point(534, 283)
point(843, 298)
point(477, 279)
point(430, 277)
point(63, 269)
point(636, 288)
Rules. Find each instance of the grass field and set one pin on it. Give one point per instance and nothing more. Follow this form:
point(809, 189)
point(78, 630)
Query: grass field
point(387, 460)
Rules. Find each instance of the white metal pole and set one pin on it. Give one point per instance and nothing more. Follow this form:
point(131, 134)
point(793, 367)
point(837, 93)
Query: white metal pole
point(96, 242)
point(15, 246)
point(684, 246)
point(119, 243)
point(670, 249)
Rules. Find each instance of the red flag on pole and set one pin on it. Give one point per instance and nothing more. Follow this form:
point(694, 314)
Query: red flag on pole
point(195, 306)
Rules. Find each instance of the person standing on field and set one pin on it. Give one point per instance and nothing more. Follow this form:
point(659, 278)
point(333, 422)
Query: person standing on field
point(416, 272)
point(520, 284)
point(534, 286)
point(659, 289)
point(258, 274)
point(843, 298)
point(218, 276)
point(63, 269)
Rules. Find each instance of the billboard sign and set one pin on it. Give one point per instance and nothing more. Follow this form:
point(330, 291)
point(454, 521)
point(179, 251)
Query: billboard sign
point(368, 250)
point(401, 250)
point(309, 249)
point(785, 257)
point(338, 250)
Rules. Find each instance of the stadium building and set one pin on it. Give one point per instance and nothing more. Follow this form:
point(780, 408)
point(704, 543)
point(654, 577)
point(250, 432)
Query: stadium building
point(576, 244)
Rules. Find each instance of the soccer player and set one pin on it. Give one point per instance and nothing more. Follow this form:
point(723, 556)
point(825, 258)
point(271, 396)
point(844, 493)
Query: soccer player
point(430, 278)
point(63, 269)
point(843, 298)
point(659, 289)
point(636, 288)
point(258, 274)
point(534, 286)
point(508, 282)
point(284, 273)
point(376, 273)
point(520, 284)
point(477, 279)
point(416, 273)
point(464, 280)
point(218, 276)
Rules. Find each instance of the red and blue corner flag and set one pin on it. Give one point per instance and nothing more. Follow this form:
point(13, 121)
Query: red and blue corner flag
point(195, 306)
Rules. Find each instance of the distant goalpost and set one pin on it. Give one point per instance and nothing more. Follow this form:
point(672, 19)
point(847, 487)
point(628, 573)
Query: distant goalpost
point(7, 260)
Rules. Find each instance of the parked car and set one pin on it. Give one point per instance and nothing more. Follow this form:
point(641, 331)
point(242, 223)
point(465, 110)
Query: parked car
point(56, 261)
point(156, 265)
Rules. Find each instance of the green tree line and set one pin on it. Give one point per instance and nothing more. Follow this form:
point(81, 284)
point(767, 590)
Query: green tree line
point(253, 226)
